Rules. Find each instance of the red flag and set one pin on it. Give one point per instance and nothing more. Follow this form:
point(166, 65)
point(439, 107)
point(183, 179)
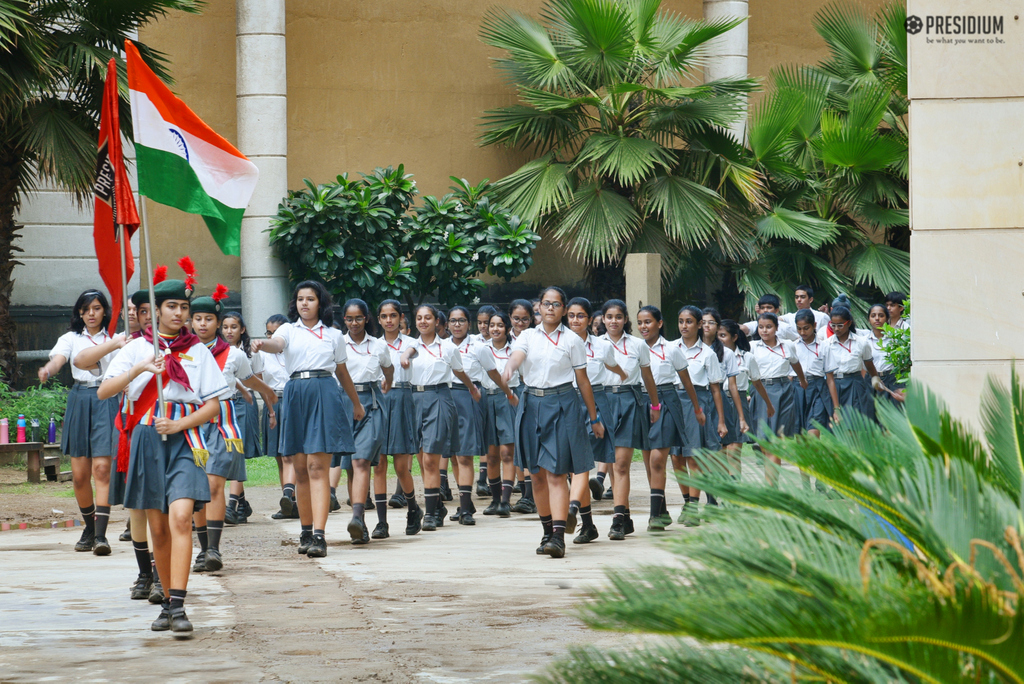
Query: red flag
point(114, 201)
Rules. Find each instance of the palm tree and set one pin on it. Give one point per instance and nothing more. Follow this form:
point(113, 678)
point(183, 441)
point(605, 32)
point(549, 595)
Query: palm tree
point(631, 154)
point(908, 569)
point(53, 59)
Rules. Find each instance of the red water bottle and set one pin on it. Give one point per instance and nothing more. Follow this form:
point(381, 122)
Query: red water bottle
point(21, 428)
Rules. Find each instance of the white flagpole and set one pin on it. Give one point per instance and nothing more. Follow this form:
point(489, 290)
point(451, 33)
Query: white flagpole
point(121, 236)
point(152, 311)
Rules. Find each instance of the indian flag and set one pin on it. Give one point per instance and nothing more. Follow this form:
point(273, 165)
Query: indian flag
point(182, 162)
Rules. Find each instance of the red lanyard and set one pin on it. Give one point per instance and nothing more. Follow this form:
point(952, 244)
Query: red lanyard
point(660, 356)
point(590, 350)
point(427, 347)
point(699, 352)
point(813, 351)
point(783, 355)
point(624, 351)
point(320, 334)
point(399, 347)
point(506, 349)
point(552, 341)
point(89, 337)
point(849, 350)
point(356, 349)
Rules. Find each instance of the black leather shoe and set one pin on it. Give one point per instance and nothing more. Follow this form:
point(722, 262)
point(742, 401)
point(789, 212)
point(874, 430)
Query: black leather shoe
point(246, 508)
point(140, 592)
point(618, 530)
point(278, 516)
point(456, 515)
point(446, 492)
point(163, 622)
point(213, 560)
point(156, 594)
point(305, 539)
point(543, 543)
point(101, 547)
point(440, 514)
point(318, 549)
point(126, 535)
point(233, 516)
point(524, 506)
point(358, 532)
point(467, 519)
point(596, 489)
point(588, 534)
point(483, 490)
point(414, 521)
point(335, 504)
point(555, 547)
point(199, 564)
point(571, 520)
point(381, 531)
point(287, 506)
point(504, 510)
point(609, 495)
point(398, 500)
point(179, 622)
point(429, 523)
point(294, 515)
point(493, 508)
point(369, 505)
point(86, 541)
point(627, 525)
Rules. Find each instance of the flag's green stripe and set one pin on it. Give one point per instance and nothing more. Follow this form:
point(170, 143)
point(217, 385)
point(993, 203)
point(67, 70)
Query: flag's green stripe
point(168, 179)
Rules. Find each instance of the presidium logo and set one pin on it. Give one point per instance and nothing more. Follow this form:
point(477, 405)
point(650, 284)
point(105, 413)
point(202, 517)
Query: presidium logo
point(957, 29)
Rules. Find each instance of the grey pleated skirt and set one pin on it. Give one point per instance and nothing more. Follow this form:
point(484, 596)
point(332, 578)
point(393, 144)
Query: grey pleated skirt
point(551, 434)
point(249, 422)
point(499, 419)
point(628, 419)
point(369, 432)
point(436, 422)
point(603, 449)
point(699, 436)
point(855, 391)
point(223, 463)
point(814, 403)
point(732, 421)
point(400, 429)
point(88, 424)
point(317, 418)
point(471, 423)
point(160, 472)
point(889, 380)
point(668, 431)
point(786, 420)
point(272, 437)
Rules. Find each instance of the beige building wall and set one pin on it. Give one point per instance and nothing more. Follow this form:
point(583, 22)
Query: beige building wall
point(393, 82)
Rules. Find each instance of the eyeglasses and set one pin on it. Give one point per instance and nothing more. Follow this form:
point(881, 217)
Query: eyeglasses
point(357, 319)
point(577, 317)
point(521, 319)
point(457, 321)
point(551, 305)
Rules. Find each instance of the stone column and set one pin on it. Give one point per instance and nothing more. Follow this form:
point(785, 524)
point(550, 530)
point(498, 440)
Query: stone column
point(643, 281)
point(262, 103)
point(966, 196)
point(727, 54)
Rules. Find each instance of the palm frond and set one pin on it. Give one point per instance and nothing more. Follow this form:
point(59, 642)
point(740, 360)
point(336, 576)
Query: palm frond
point(687, 209)
point(852, 41)
point(798, 226)
point(885, 267)
point(524, 127)
point(533, 59)
point(594, 36)
point(537, 188)
point(62, 141)
point(597, 223)
point(626, 160)
point(892, 27)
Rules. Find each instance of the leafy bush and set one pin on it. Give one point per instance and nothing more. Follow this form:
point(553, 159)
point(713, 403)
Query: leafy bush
point(35, 402)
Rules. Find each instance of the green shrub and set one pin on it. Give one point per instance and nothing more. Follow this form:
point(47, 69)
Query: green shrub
point(35, 402)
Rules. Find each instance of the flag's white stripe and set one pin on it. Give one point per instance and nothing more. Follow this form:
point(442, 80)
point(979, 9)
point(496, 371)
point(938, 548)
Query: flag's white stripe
point(225, 177)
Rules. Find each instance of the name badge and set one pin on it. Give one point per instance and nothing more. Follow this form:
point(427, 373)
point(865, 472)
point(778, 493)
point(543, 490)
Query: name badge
point(186, 357)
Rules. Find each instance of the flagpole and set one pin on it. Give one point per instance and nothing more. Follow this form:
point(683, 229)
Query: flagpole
point(124, 290)
point(152, 310)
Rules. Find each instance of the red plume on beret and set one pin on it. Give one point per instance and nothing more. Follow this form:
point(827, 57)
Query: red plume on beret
point(159, 274)
point(220, 293)
point(189, 268)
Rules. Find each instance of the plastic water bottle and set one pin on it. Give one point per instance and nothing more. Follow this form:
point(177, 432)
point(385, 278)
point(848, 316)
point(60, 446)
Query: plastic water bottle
point(21, 428)
point(51, 435)
point(4, 437)
point(35, 429)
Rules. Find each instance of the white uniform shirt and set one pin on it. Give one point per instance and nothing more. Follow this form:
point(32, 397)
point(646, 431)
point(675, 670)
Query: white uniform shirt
point(476, 360)
point(500, 359)
point(878, 355)
point(71, 343)
point(821, 319)
point(551, 360)
point(811, 357)
point(749, 371)
point(201, 368)
point(236, 367)
point(730, 364)
point(395, 349)
point(847, 357)
point(631, 354)
point(256, 361)
point(433, 362)
point(366, 359)
point(786, 331)
point(316, 348)
point(600, 355)
point(702, 362)
point(274, 372)
point(774, 362)
point(666, 361)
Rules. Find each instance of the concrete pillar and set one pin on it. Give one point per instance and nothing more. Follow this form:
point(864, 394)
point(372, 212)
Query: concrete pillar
point(966, 198)
point(727, 54)
point(643, 281)
point(262, 103)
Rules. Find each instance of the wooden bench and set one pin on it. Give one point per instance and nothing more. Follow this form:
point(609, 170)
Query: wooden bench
point(34, 459)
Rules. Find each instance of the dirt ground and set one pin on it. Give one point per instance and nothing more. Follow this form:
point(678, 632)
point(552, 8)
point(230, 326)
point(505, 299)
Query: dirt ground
point(463, 604)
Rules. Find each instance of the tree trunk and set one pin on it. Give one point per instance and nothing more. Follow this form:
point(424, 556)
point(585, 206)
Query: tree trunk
point(11, 172)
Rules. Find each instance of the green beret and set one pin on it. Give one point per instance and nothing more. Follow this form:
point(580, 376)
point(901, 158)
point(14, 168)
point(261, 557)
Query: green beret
point(170, 289)
point(141, 297)
point(206, 305)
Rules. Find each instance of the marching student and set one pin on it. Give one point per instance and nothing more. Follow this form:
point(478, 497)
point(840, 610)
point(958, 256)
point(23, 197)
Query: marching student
point(894, 306)
point(370, 367)
point(630, 416)
point(521, 313)
point(813, 403)
point(234, 332)
point(711, 324)
point(735, 340)
point(878, 317)
point(804, 296)
point(668, 366)
point(601, 362)
point(400, 441)
point(168, 448)
point(499, 419)
point(483, 324)
point(477, 362)
point(775, 358)
point(88, 420)
point(770, 303)
point(551, 438)
point(224, 437)
point(847, 357)
point(430, 360)
point(317, 417)
point(275, 374)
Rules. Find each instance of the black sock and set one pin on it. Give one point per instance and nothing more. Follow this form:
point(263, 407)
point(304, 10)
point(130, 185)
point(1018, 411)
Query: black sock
point(380, 502)
point(558, 530)
point(545, 522)
point(289, 491)
point(430, 499)
point(318, 533)
point(89, 517)
point(587, 516)
point(444, 477)
point(234, 499)
point(177, 598)
point(142, 557)
point(620, 512)
point(657, 502)
point(574, 504)
point(712, 501)
point(358, 509)
point(528, 488)
point(483, 472)
point(410, 500)
point(687, 499)
point(214, 528)
point(600, 477)
point(466, 498)
point(495, 487)
point(307, 528)
point(334, 491)
point(152, 566)
point(102, 517)
point(506, 491)
point(204, 539)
